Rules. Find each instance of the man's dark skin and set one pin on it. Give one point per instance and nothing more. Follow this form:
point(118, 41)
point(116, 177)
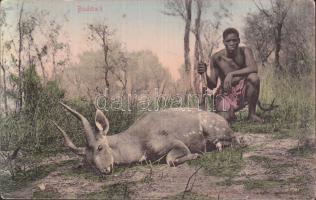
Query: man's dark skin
point(231, 65)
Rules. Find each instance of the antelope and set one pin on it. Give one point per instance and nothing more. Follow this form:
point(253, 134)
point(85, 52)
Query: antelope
point(176, 134)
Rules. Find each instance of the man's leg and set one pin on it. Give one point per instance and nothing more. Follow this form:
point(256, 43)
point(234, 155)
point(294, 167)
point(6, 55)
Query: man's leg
point(252, 95)
point(228, 115)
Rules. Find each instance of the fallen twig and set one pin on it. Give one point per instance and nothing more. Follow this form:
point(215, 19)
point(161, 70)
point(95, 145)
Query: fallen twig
point(188, 182)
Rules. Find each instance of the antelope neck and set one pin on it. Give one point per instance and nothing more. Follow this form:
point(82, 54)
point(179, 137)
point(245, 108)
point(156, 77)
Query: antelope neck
point(124, 148)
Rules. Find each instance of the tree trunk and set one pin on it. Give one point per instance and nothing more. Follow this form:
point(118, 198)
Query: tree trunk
point(4, 90)
point(278, 41)
point(39, 56)
point(107, 83)
point(20, 89)
point(187, 63)
point(54, 66)
point(106, 65)
point(5, 99)
point(124, 84)
point(197, 48)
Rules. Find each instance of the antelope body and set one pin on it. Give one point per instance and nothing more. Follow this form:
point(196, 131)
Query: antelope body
point(180, 134)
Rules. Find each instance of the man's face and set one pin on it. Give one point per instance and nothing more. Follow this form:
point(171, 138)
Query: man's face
point(231, 42)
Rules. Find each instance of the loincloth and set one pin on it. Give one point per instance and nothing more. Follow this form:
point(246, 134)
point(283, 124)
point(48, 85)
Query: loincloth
point(233, 100)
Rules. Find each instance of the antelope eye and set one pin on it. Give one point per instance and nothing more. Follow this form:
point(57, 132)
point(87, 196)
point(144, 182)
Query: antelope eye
point(100, 148)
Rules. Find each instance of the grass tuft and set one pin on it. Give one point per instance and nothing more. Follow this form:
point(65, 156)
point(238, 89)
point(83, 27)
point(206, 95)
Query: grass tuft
point(189, 195)
point(24, 178)
point(115, 191)
point(83, 172)
point(48, 193)
point(301, 151)
point(293, 185)
point(264, 185)
point(227, 163)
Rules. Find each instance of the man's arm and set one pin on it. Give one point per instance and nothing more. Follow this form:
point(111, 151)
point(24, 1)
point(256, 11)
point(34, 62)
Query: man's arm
point(212, 74)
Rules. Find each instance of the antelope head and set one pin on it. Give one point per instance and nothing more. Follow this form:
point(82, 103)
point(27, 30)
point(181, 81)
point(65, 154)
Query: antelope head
point(97, 151)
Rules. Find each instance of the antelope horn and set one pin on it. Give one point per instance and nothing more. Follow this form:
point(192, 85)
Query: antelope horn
point(271, 106)
point(68, 143)
point(86, 125)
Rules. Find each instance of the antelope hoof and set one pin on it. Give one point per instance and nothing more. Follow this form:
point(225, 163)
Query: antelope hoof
point(219, 146)
point(194, 156)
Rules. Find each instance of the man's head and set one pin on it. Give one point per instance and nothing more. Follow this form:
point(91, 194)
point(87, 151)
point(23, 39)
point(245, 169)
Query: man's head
point(231, 39)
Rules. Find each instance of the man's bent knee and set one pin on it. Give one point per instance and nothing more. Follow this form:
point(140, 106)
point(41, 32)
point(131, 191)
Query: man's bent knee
point(253, 78)
point(228, 116)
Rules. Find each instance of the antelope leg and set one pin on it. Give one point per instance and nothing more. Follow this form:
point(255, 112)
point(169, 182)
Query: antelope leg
point(179, 154)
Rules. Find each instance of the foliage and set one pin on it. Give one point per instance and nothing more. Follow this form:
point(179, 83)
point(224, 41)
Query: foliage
point(32, 89)
point(30, 129)
point(148, 73)
point(296, 103)
point(299, 48)
point(285, 30)
point(259, 35)
point(129, 73)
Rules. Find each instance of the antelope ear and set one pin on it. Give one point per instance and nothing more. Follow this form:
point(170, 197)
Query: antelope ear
point(101, 122)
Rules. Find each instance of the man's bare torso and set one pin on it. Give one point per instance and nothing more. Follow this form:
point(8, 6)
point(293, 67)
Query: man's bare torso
point(225, 64)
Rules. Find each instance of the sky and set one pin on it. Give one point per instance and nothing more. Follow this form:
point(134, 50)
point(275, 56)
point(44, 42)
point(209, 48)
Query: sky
point(138, 24)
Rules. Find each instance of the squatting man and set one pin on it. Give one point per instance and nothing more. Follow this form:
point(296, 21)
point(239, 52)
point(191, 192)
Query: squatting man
point(233, 73)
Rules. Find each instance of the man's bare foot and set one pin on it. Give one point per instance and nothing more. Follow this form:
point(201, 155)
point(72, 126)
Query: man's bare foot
point(255, 118)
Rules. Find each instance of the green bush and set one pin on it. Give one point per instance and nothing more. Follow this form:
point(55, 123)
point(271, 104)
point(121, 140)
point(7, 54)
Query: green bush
point(30, 129)
point(295, 95)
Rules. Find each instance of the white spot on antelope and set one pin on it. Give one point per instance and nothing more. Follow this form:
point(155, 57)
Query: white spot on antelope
point(143, 158)
point(192, 132)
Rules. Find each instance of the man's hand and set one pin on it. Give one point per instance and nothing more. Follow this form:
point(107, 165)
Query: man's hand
point(201, 68)
point(228, 82)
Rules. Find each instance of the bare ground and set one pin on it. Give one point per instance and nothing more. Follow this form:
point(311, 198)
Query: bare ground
point(272, 170)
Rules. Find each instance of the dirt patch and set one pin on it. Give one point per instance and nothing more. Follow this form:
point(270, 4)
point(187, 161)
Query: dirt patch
point(273, 169)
